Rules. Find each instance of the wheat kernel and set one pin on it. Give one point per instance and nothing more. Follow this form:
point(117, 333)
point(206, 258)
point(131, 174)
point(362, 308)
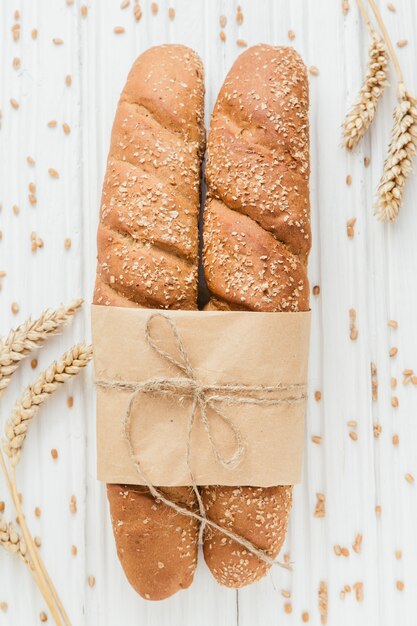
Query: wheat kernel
point(70, 402)
point(57, 41)
point(137, 11)
point(125, 4)
point(54, 454)
point(38, 512)
point(14, 103)
point(392, 323)
point(37, 541)
point(222, 21)
point(52, 124)
point(353, 435)
point(171, 13)
point(348, 180)
point(291, 35)
point(53, 173)
point(84, 11)
point(344, 552)
point(34, 33)
point(305, 617)
point(394, 402)
point(241, 43)
point(393, 351)
point(316, 290)
point(288, 608)
point(118, 30)
point(398, 555)
point(402, 43)
point(222, 36)
point(73, 504)
point(409, 478)
point(66, 128)
point(395, 440)
point(316, 439)
point(317, 396)
point(68, 80)
point(2, 506)
point(4, 607)
point(366, 161)
point(391, 7)
point(400, 585)
point(154, 8)
point(43, 617)
point(16, 63)
point(67, 244)
point(74, 550)
point(34, 363)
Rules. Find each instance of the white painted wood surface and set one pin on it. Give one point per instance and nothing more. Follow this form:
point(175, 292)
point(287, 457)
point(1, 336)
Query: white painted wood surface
point(373, 273)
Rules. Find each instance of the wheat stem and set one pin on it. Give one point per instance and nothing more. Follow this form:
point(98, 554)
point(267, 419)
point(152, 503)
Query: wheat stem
point(387, 39)
point(365, 15)
point(11, 541)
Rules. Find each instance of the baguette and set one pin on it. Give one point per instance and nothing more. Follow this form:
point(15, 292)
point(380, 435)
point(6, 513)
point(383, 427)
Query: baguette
point(148, 257)
point(256, 244)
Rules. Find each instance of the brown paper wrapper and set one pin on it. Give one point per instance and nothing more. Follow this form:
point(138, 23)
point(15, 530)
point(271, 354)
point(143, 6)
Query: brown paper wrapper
point(233, 347)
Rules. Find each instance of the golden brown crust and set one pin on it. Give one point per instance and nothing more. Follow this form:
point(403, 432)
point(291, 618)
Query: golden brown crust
point(256, 245)
point(148, 257)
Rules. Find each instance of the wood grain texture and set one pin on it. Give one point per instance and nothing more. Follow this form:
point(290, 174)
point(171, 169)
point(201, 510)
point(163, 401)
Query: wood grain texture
point(373, 273)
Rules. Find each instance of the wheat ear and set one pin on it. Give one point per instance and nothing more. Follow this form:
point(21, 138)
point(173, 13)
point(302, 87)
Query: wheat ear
point(34, 395)
point(12, 542)
point(30, 336)
point(70, 364)
point(361, 115)
point(401, 150)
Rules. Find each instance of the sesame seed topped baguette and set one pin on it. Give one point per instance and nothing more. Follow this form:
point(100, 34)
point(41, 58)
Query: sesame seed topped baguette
point(256, 245)
point(148, 257)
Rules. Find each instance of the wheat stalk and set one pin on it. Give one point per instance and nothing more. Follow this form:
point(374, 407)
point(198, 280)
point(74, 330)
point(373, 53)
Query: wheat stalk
point(29, 336)
point(34, 395)
point(14, 543)
point(401, 150)
point(361, 115)
point(70, 364)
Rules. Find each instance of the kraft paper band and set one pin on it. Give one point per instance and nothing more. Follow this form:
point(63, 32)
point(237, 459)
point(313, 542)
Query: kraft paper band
point(254, 365)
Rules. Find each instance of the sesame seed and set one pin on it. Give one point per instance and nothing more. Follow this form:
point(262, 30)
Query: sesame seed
point(305, 617)
point(409, 478)
point(171, 13)
point(393, 324)
point(348, 180)
point(317, 396)
point(38, 512)
point(91, 581)
point(314, 71)
point(34, 363)
point(2, 506)
point(67, 244)
point(84, 11)
point(291, 35)
point(37, 541)
point(70, 402)
point(53, 173)
point(15, 308)
point(52, 124)
point(241, 43)
point(366, 161)
point(16, 63)
point(43, 617)
point(402, 43)
point(14, 103)
point(68, 80)
point(394, 402)
point(66, 128)
point(398, 554)
point(395, 440)
point(73, 504)
point(4, 606)
point(393, 351)
point(125, 4)
point(288, 608)
point(34, 33)
point(57, 41)
point(316, 439)
point(316, 290)
point(118, 30)
point(391, 7)
point(353, 435)
point(222, 21)
point(222, 36)
point(400, 585)
point(154, 8)
point(74, 550)
point(345, 7)
point(54, 454)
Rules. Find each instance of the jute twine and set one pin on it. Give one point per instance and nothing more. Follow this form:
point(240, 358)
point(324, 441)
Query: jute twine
point(204, 398)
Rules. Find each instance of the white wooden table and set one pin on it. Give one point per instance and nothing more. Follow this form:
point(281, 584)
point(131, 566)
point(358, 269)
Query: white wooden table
point(373, 273)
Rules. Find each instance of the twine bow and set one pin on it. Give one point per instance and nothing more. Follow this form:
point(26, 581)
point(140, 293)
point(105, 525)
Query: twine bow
point(205, 398)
